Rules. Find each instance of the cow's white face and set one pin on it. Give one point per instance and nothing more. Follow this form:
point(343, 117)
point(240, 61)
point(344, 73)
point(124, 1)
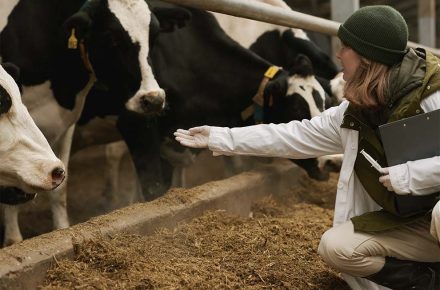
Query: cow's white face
point(310, 90)
point(26, 160)
point(337, 85)
point(135, 18)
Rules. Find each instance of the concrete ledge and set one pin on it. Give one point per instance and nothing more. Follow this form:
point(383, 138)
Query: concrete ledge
point(23, 266)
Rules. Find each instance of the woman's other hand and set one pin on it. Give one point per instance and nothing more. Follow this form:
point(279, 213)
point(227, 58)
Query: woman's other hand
point(196, 137)
point(385, 179)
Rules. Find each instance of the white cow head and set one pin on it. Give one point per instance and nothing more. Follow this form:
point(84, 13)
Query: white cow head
point(337, 85)
point(27, 163)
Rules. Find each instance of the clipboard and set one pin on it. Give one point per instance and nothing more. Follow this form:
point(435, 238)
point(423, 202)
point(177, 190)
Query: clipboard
point(412, 138)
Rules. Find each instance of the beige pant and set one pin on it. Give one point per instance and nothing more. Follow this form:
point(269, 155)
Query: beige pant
point(435, 222)
point(362, 254)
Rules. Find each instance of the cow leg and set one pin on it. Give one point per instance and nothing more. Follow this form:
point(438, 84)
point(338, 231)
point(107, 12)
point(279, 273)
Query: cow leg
point(311, 167)
point(177, 178)
point(58, 197)
point(114, 152)
point(12, 229)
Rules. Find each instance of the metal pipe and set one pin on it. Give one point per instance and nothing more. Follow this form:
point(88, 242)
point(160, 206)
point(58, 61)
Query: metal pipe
point(275, 15)
point(265, 13)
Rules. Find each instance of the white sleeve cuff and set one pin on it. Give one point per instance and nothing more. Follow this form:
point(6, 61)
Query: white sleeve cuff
point(399, 178)
point(217, 139)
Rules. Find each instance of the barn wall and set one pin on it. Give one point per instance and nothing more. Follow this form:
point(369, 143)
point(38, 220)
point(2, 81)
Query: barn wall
point(408, 8)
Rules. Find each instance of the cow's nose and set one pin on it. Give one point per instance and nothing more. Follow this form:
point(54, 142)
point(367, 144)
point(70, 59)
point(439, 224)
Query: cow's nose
point(58, 175)
point(152, 102)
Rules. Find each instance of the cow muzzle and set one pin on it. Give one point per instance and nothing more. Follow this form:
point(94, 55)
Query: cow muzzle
point(58, 175)
point(14, 195)
point(45, 176)
point(147, 103)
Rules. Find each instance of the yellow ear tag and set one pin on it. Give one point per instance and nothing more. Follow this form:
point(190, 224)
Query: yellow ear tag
point(72, 43)
point(271, 72)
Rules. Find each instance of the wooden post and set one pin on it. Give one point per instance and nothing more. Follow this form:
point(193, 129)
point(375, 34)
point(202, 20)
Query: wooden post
point(340, 11)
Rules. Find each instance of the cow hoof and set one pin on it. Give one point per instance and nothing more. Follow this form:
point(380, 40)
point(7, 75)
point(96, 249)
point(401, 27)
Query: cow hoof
point(10, 242)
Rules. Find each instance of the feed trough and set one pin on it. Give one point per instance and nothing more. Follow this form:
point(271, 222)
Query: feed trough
point(23, 266)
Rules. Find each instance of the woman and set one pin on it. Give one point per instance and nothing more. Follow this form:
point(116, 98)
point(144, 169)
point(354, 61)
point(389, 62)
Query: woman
point(385, 82)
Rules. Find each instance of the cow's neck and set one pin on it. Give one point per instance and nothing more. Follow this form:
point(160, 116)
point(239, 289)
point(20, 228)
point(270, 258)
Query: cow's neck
point(270, 46)
point(204, 71)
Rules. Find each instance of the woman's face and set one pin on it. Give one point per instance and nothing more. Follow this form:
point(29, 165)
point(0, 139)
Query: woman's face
point(350, 61)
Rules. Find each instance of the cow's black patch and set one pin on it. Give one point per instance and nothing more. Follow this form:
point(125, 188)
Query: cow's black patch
point(13, 196)
point(5, 101)
point(318, 100)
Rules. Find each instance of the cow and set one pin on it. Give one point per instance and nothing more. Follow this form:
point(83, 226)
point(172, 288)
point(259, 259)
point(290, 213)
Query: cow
point(196, 65)
point(209, 78)
point(280, 45)
point(275, 43)
point(62, 47)
point(27, 163)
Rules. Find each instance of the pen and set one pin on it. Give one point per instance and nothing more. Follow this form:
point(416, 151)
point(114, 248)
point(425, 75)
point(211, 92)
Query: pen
point(372, 161)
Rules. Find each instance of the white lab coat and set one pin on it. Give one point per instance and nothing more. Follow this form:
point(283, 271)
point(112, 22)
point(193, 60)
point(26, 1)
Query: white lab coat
point(322, 135)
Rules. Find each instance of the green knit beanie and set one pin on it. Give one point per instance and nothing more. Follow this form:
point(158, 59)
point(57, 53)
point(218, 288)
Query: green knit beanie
point(378, 33)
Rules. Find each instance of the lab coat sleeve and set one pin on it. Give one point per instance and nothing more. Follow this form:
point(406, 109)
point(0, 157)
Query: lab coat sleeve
point(296, 139)
point(420, 177)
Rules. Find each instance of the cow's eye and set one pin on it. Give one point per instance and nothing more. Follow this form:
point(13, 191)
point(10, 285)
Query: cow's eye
point(5, 101)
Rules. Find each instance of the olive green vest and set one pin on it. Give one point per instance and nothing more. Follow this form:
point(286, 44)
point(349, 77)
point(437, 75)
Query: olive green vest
point(425, 74)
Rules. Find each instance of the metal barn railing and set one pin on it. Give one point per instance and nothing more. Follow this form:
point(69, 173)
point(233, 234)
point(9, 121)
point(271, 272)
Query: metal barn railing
point(275, 15)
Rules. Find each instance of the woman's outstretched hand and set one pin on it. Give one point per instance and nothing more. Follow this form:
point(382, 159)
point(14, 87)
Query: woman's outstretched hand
point(196, 137)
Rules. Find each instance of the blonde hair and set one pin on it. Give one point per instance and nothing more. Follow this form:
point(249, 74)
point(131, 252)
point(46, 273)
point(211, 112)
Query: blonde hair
point(369, 85)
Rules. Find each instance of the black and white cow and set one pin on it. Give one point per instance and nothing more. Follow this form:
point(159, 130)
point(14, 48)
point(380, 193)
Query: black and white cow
point(280, 45)
point(27, 163)
point(62, 47)
point(211, 79)
point(275, 43)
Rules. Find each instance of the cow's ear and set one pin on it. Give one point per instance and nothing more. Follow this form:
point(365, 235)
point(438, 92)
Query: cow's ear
point(12, 70)
point(276, 88)
point(301, 66)
point(77, 27)
point(79, 24)
point(171, 18)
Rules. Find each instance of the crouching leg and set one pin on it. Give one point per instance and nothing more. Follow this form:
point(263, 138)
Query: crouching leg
point(403, 258)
